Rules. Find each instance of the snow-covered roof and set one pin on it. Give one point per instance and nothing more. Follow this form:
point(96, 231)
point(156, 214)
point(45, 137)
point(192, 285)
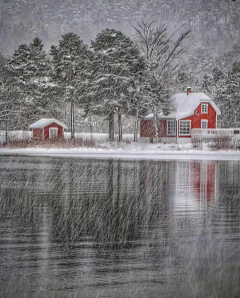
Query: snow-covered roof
point(185, 105)
point(45, 122)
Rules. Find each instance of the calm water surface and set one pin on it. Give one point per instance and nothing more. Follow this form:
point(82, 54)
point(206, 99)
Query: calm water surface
point(104, 228)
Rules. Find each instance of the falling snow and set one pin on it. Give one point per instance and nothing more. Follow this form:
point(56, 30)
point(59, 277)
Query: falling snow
point(116, 179)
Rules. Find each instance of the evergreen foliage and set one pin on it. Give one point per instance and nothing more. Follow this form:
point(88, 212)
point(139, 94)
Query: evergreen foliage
point(71, 65)
point(117, 68)
point(71, 60)
point(29, 72)
point(228, 98)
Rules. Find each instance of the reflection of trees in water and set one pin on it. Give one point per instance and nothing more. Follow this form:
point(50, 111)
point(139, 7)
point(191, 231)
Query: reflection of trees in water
point(229, 184)
point(112, 206)
point(108, 201)
point(18, 199)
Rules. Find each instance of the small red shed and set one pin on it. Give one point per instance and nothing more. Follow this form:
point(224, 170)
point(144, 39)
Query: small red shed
point(46, 129)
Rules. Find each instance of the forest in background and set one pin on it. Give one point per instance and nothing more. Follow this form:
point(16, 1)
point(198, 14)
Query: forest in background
point(70, 79)
point(215, 24)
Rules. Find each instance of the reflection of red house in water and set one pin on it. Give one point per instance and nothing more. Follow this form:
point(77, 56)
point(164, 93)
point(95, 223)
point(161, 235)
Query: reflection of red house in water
point(196, 182)
point(203, 180)
point(48, 129)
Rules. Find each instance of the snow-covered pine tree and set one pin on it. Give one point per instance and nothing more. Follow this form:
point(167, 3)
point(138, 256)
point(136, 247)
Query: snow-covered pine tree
point(117, 70)
point(212, 82)
point(208, 84)
point(228, 99)
point(214, 85)
point(10, 100)
point(29, 72)
point(71, 65)
point(4, 109)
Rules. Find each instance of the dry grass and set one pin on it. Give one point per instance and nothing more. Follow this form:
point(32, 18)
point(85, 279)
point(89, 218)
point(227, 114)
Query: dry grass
point(197, 143)
point(222, 143)
point(57, 143)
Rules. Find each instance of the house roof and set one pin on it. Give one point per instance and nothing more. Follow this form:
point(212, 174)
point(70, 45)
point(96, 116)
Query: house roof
point(45, 122)
point(185, 105)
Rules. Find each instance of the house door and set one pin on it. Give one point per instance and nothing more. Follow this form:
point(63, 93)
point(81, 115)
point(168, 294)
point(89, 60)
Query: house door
point(53, 133)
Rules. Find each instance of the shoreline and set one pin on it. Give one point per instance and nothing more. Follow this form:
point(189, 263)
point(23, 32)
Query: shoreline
point(125, 154)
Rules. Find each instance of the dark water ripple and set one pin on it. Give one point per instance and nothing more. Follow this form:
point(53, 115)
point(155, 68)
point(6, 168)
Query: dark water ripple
point(104, 228)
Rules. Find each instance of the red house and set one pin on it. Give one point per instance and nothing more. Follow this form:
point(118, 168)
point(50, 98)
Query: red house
point(192, 110)
point(46, 129)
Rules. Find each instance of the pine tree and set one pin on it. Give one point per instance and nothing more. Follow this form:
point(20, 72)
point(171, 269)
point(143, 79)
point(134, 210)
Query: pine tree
point(29, 72)
point(10, 99)
point(228, 98)
point(117, 70)
point(71, 63)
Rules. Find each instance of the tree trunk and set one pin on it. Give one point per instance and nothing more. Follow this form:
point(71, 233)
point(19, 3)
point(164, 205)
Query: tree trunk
point(72, 120)
point(73, 117)
point(71, 124)
point(119, 125)
point(90, 123)
point(111, 126)
point(156, 127)
point(6, 133)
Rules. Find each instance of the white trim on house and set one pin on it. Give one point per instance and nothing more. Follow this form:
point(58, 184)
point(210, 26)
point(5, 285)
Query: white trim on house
point(180, 134)
point(204, 121)
point(52, 129)
point(177, 131)
point(171, 134)
point(203, 110)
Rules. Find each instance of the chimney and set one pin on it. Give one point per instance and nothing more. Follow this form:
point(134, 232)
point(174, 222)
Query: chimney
point(189, 90)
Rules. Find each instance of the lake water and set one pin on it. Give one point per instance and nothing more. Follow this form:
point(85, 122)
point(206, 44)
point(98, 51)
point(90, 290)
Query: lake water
point(108, 228)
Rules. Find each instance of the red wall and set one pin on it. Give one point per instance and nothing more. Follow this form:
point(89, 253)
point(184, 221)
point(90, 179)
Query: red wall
point(37, 133)
point(196, 118)
point(147, 128)
point(46, 130)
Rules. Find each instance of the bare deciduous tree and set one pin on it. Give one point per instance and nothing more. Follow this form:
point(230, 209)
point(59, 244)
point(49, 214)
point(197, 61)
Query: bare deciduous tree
point(163, 56)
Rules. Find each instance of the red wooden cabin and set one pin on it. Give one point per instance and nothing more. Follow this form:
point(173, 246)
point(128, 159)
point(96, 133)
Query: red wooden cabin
point(192, 110)
point(46, 129)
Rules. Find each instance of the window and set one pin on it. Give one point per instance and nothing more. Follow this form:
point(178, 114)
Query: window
point(53, 133)
point(184, 128)
point(204, 108)
point(171, 127)
point(204, 124)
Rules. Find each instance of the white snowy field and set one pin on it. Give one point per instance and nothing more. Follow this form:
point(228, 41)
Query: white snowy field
point(124, 150)
point(130, 151)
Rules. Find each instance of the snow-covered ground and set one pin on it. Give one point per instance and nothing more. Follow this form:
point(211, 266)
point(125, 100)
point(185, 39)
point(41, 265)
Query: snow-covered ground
point(124, 150)
point(103, 137)
point(20, 135)
point(130, 151)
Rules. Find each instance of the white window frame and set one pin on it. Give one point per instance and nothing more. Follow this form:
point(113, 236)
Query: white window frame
point(204, 108)
point(53, 129)
point(169, 126)
point(204, 121)
point(187, 134)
